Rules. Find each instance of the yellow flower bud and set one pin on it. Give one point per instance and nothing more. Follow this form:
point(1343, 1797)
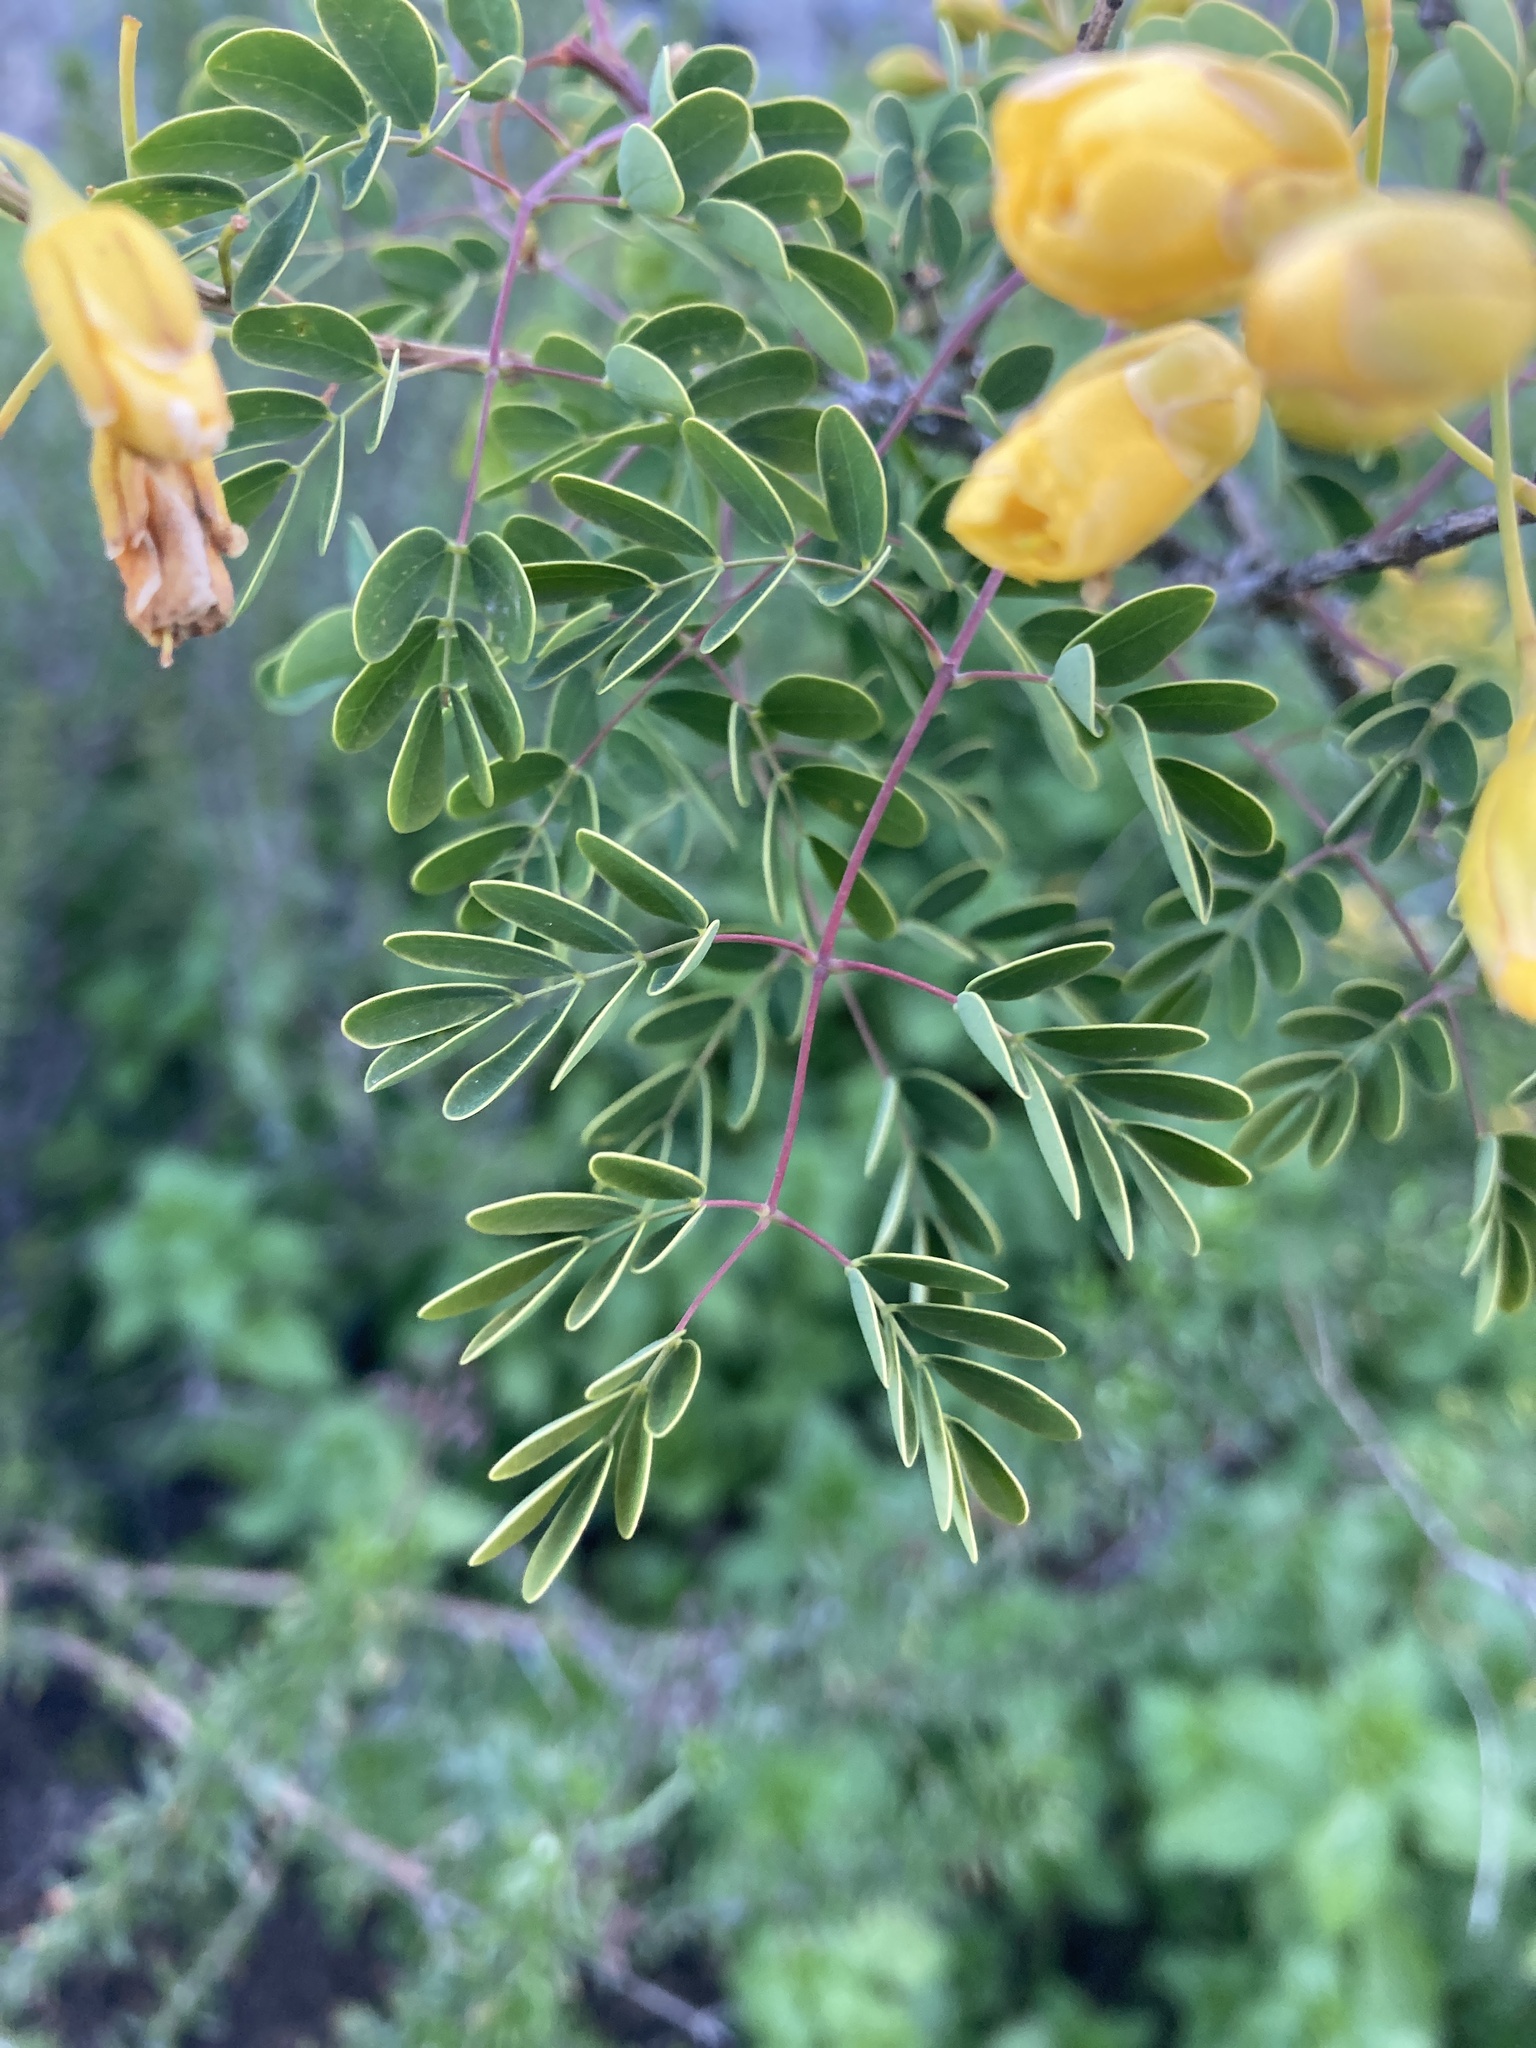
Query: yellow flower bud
point(1496, 882)
point(166, 526)
point(1110, 457)
point(1142, 188)
point(1366, 325)
point(906, 68)
point(972, 18)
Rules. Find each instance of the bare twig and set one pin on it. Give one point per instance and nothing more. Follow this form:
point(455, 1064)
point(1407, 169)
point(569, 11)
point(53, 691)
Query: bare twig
point(125, 1686)
point(1271, 587)
point(1100, 25)
point(707, 2029)
point(1513, 1582)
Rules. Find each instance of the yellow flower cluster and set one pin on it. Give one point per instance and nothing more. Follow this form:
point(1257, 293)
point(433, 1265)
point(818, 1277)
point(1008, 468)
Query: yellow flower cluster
point(1178, 182)
point(122, 318)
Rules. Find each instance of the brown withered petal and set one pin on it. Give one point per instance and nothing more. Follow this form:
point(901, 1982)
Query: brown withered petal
point(166, 527)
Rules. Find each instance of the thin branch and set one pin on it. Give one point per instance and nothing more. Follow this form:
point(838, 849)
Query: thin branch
point(124, 1685)
point(1513, 1582)
point(1271, 586)
point(1100, 25)
point(954, 343)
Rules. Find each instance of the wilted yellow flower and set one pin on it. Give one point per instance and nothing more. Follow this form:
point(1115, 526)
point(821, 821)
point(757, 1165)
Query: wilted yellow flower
point(1110, 457)
point(122, 318)
point(1367, 324)
point(906, 68)
point(972, 18)
point(1496, 882)
point(1142, 188)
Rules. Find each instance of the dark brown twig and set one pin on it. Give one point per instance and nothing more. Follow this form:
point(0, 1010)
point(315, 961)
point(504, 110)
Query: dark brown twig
point(1274, 586)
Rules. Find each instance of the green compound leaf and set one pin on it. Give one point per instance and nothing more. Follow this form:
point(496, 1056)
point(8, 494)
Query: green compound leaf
point(648, 1180)
point(744, 234)
point(532, 1509)
point(388, 48)
point(170, 201)
point(1219, 808)
point(495, 1283)
point(276, 246)
point(502, 591)
point(792, 186)
point(993, 1482)
point(868, 905)
point(488, 29)
point(407, 1013)
point(770, 380)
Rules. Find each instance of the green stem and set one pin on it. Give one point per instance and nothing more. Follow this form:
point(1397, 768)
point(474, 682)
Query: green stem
point(1522, 613)
point(127, 89)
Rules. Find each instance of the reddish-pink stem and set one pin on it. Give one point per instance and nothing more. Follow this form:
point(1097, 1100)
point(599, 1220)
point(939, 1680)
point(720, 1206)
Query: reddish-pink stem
point(949, 348)
point(1001, 675)
point(825, 952)
point(928, 988)
point(476, 171)
point(884, 590)
point(721, 1270)
point(527, 206)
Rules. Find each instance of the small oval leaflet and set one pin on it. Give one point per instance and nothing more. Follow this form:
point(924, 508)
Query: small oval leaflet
point(676, 1377)
point(1039, 971)
point(918, 1270)
point(495, 1283)
point(820, 708)
point(388, 48)
point(172, 199)
point(988, 1328)
point(645, 886)
point(1135, 637)
point(416, 783)
point(704, 135)
point(556, 917)
point(849, 794)
point(995, 1485)
point(532, 1509)
point(1014, 1399)
point(289, 75)
point(553, 1215)
point(632, 1173)
point(240, 143)
point(852, 482)
point(648, 180)
point(407, 1013)
point(373, 700)
point(1202, 707)
point(397, 589)
point(310, 340)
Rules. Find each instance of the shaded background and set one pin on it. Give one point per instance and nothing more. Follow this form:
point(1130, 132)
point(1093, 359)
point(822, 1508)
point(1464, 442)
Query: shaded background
point(1210, 1754)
